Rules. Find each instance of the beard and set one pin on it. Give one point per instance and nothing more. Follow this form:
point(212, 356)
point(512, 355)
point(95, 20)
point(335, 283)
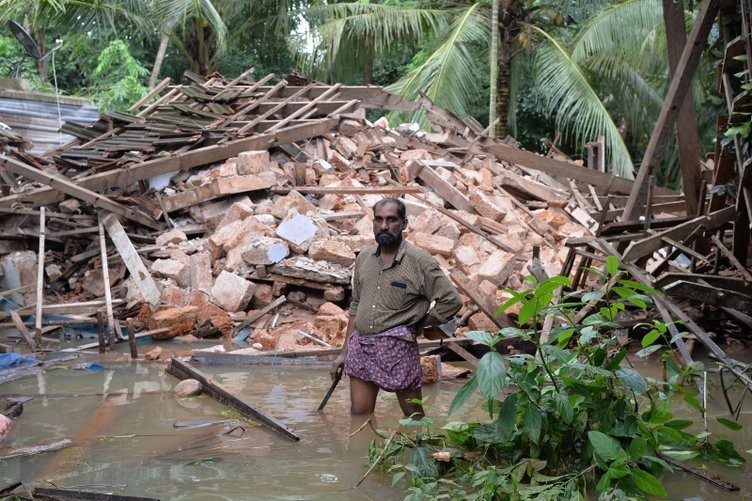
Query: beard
point(387, 239)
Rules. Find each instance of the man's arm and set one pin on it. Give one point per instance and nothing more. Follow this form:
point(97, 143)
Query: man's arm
point(339, 363)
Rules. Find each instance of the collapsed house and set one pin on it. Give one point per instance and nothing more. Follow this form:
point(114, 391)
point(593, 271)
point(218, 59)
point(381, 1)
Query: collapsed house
point(234, 209)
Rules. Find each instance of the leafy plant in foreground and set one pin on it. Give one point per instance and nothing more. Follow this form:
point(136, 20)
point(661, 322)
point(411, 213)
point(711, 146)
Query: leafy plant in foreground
point(571, 417)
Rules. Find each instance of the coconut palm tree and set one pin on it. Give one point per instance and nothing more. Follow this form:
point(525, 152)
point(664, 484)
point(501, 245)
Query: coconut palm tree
point(593, 76)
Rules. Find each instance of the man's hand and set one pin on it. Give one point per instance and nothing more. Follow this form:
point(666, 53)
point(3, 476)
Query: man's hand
point(338, 366)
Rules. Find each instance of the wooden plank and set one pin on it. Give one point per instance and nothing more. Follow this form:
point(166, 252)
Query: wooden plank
point(351, 190)
point(677, 91)
point(181, 370)
point(732, 259)
point(21, 327)
point(60, 183)
point(477, 296)
point(40, 279)
point(135, 172)
point(106, 277)
point(132, 260)
point(646, 246)
point(533, 188)
point(437, 184)
point(710, 295)
point(219, 188)
point(721, 282)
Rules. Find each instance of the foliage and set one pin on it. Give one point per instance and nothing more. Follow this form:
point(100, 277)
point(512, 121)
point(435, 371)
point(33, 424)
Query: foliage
point(572, 417)
point(117, 78)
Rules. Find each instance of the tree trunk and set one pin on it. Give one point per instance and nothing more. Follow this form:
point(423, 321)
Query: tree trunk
point(493, 57)
point(508, 20)
point(158, 60)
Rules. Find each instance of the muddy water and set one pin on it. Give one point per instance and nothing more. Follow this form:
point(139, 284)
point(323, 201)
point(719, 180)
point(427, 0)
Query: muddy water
point(122, 422)
point(123, 417)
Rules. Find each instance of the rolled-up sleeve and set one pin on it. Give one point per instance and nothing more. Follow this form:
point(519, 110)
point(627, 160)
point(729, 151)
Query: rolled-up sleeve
point(441, 291)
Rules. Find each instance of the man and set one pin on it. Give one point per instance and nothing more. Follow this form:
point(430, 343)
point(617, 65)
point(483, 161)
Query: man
point(398, 292)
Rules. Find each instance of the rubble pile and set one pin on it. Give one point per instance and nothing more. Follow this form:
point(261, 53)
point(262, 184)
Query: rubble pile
point(235, 209)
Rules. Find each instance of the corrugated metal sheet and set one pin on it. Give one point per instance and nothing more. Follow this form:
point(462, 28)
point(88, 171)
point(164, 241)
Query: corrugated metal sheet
point(35, 116)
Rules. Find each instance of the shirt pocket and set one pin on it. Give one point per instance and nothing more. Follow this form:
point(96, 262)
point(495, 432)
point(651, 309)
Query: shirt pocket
point(397, 295)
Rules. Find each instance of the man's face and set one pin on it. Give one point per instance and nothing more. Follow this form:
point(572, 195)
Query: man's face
point(387, 225)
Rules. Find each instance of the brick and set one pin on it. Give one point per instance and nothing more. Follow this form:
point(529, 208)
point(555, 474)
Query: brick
point(238, 212)
point(69, 206)
point(172, 237)
point(449, 229)
point(173, 295)
point(231, 292)
point(426, 222)
point(498, 267)
point(262, 296)
point(330, 328)
point(364, 226)
point(357, 243)
point(179, 320)
point(485, 206)
point(201, 271)
point(433, 244)
point(416, 154)
point(253, 162)
point(332, 251)
point(172, 269)
point(292, 202)
point(264, 250)
point(210, 314)
point(555, 217)
point(465, 257)
point(211, 213)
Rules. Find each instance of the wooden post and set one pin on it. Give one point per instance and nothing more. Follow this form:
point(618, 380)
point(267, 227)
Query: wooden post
point(680, 83)
point(40, 279)
point(107, 291)
point(131, 337)
point(100, 331)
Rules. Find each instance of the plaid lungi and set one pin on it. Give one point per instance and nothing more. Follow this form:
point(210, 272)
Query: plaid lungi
point(390, 359)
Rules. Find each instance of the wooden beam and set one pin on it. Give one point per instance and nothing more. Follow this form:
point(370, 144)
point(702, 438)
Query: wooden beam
point(351, 190)
point(219, 188)
point(710, 295)
point(181, 370)
point(132, 260)
point(688, 139)
point(134, 172)
point(680, 83)
point(437, 184)
point(647, 246)
point(477, 296)
point(61, 183)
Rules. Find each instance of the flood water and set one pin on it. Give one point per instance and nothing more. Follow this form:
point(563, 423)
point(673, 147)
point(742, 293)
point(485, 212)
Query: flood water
point(121, 417)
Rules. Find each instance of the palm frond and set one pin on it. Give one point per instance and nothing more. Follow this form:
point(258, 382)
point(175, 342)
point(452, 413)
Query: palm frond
point(578, 109)
point(450, 75)
point(346, 28)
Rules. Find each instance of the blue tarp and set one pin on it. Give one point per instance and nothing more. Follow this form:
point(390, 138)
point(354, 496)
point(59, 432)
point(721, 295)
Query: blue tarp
point(8, 360)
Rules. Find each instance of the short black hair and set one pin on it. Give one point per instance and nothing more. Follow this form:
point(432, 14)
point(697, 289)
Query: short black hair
point(401, 211)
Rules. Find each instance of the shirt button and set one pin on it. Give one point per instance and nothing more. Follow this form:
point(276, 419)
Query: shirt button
point(374, 306)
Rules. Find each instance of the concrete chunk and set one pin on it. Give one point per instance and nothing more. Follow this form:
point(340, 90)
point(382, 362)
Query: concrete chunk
point(201, 271)
point(298, 230)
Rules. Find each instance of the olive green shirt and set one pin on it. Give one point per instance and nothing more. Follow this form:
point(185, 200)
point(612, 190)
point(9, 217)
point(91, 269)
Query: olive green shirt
point(400, 293)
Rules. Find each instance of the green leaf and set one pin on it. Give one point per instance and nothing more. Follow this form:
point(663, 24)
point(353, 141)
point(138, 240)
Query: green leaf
point(632, 380)
point(648, 483)
point(481, 337)
point(491, 374)
point(422, 460)
point(678, 424)
point(732, 425)
point(648, 351)
point(638, 447)
point(612, 265)
point(603, 445)
point(650, 338)
point(564, 408)
point(464, 394)
point(508, 413)
point(533, 423)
